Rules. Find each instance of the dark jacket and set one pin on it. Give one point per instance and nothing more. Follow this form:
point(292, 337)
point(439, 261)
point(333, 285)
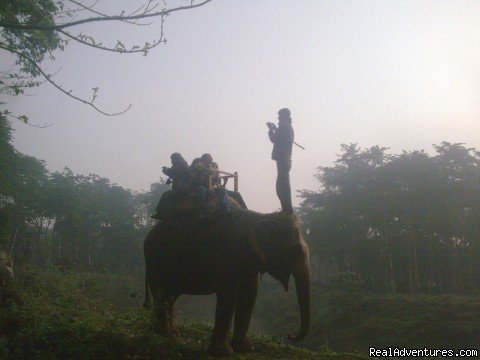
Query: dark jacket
point(180, 176)
point(282, 139)
point(201, 172)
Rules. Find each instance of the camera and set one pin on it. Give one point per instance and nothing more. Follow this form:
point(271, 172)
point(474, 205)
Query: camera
point(271, 126)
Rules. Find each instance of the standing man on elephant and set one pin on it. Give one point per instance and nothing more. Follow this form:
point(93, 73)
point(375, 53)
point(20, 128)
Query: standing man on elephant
point(282, 138)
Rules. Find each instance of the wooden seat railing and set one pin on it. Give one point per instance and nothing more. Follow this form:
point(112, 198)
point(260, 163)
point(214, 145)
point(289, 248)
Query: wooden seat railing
point(225, 177)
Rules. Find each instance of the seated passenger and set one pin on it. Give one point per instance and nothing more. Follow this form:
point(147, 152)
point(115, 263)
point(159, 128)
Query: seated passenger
point(179, 176)
point(205, 178)
point(179, 173)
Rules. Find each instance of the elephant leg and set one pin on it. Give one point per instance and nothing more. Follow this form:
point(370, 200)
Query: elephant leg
point(170, 310)
point(247, 294)
point(223, 322)
point(160, 313)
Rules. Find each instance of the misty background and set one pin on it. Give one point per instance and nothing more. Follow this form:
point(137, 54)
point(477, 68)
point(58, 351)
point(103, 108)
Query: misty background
point(394, 241)
point(401, 74)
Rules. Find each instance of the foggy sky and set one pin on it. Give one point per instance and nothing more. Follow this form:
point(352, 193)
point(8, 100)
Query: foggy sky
point(402, 74)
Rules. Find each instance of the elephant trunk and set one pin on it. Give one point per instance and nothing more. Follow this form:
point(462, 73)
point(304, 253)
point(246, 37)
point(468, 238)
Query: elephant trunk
point(302, 284)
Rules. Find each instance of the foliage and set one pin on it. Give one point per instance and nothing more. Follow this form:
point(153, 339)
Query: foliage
point(32, 44)
point(68, 316)
point(66, 313)
point(385, 223)
point(31, 31)
point(69, 219)
point(405, 222)
point(147, 202)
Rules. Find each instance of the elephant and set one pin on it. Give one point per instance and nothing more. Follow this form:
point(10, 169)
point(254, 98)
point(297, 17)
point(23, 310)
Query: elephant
point(225, 256)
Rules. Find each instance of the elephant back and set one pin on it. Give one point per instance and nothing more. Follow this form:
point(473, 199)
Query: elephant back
point(186, 207)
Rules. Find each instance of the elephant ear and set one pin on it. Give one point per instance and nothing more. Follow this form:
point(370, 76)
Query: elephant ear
point(273, 254)
point(263, 237)
point(283, 262)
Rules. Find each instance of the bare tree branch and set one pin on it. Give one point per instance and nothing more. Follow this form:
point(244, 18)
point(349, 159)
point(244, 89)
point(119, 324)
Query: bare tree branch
point(29, 59)
point(117, 48)
point(143, 15)
point(88, 8)
point(82, 8)
point(92, 10)
point(68, 93)
point(24, 120)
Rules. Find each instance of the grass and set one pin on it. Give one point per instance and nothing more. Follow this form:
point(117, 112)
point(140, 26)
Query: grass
point(349, 320)
point(68, 315)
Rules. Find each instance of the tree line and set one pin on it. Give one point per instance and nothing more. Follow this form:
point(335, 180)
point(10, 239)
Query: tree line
point(394, 223)
point(62, 218)
point(397, 223)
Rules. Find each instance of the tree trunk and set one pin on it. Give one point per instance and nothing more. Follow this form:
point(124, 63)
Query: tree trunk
point(13, 242)
point(390, 273)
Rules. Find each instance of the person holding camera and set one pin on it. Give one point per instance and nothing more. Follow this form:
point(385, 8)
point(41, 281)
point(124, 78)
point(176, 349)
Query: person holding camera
point(179, 176)
point(282, 138)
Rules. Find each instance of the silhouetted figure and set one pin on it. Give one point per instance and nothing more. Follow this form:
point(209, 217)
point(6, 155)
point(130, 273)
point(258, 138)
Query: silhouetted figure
point(179, 173)
point(179, 176)
point(205, 177)
point(282, 138)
